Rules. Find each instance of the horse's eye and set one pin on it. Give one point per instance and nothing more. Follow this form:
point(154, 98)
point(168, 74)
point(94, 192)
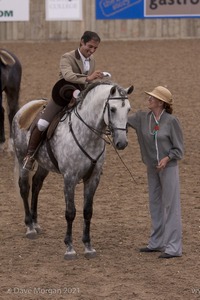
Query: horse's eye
point(113, 109)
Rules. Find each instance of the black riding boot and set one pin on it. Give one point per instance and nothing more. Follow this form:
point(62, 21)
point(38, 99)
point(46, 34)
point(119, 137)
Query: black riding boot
point(35, 139)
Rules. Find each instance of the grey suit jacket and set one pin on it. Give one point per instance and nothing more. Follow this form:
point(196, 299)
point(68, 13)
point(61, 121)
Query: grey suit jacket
point(71, 68)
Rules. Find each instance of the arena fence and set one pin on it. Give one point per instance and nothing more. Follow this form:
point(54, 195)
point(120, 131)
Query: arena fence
point(38, 29)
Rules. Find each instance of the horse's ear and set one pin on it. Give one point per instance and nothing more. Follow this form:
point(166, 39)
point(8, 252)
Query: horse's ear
point(130, 89)
point(113, 90)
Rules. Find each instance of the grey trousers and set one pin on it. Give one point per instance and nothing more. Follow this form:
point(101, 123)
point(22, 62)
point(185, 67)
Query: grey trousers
point(165, 210)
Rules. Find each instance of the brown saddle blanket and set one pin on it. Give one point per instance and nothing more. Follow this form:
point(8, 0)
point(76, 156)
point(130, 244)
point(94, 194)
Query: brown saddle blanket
point(31, 115)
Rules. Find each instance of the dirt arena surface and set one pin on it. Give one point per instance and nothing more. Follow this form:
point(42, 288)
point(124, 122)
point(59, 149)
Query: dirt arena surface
point(36, 269)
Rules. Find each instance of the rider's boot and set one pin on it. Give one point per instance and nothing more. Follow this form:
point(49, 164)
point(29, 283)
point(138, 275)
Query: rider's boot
point(35, 139)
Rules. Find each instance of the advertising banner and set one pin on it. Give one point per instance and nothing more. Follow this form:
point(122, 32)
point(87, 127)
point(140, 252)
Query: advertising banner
point(172, 8)
point(61, 10)
point(139, 9)
point(14, 10)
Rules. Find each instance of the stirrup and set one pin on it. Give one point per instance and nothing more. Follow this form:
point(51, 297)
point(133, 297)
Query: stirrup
point(29, 163)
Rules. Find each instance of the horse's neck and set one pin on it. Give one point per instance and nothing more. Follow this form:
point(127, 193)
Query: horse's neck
point(91, 110)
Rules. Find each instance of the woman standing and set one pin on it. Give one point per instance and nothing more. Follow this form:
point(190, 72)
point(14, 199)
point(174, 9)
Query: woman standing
point(161, 143)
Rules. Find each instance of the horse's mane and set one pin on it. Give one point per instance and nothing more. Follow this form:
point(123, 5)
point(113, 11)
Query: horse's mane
point(89, 88)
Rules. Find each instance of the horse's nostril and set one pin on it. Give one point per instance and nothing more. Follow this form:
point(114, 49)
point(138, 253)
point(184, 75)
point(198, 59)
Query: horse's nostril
point(121, 146)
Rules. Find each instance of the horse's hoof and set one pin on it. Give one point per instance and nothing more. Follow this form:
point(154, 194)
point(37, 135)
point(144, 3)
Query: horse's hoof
point(37, 227)
point(90, 253)
point(31, 234)
point(70, 255)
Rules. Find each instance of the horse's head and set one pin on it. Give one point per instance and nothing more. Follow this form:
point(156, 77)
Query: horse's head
point(116, 114)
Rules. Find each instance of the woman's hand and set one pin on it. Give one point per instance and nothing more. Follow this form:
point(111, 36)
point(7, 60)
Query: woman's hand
point(163, 162)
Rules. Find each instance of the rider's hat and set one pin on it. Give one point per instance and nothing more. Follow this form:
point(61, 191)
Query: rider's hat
point(62, 92)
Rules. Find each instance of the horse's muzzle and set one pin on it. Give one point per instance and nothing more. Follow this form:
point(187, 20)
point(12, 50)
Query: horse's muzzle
point(121, 145)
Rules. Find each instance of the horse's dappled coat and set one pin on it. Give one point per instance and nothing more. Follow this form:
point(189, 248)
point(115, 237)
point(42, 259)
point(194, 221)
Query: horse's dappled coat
point(101, 106)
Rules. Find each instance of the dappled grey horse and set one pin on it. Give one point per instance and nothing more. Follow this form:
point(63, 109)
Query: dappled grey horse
point(10, 80)
point(78, 148)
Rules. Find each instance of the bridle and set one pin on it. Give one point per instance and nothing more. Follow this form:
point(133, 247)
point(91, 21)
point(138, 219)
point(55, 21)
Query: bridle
point(111, 130)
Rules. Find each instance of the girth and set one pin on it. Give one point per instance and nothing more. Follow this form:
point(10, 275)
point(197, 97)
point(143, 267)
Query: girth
point(93, 161)
point(50, 132)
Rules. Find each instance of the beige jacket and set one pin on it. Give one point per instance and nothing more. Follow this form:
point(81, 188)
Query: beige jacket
point(71, 67)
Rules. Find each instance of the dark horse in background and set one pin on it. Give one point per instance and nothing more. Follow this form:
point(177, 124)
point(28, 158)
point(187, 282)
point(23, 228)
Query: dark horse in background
point(10, 80)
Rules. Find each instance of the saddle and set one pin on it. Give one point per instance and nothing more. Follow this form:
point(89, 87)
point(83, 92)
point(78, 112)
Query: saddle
point(30, 117)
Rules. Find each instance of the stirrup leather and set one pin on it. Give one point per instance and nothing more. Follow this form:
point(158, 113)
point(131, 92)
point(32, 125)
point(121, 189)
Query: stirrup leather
point(29, 163)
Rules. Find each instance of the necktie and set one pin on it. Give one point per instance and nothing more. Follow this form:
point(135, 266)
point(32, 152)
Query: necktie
point(86, 64)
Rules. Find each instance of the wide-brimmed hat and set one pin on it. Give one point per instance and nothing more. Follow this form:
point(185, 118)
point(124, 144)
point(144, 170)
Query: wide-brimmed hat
point(62, 92)
point(162, 94)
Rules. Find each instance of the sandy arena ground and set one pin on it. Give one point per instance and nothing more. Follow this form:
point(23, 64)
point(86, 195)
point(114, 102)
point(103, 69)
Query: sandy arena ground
point(35, 269)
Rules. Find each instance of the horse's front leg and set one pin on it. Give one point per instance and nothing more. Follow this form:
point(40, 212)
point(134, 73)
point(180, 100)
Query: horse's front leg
point(13, 104)
point(2, 132)
point(90, 187)
point(70, 214)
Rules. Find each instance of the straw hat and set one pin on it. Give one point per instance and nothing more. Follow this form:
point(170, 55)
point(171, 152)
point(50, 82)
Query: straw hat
point(162, 94)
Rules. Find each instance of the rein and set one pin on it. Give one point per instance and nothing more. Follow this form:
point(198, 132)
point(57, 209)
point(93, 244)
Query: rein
point(77, 142)
point(112, 129)
point(95, 130)
point(122, 161)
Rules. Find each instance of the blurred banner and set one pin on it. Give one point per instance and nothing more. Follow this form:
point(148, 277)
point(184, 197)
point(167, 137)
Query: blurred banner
point(61, 10)
point(14, 10)
point(139, 9)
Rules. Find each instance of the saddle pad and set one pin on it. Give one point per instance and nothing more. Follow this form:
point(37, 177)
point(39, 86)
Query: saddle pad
point(29, 115)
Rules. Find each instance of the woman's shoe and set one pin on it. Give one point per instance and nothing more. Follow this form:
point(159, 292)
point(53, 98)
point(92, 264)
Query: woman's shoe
point(166, 255)
point(147, 250)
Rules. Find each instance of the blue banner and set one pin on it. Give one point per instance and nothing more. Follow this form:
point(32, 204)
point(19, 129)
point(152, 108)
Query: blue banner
point(123, 9)
point(139, 9)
